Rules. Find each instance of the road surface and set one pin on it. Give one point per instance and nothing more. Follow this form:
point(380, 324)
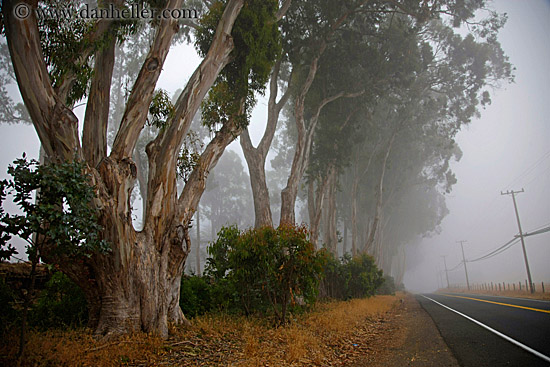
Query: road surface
point(492, 331)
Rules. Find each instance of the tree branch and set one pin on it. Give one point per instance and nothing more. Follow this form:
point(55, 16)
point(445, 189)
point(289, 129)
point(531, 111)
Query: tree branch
point(140, 98)
point(283, 9)
point(101, 28)
point(94, 135)
point(55, 124)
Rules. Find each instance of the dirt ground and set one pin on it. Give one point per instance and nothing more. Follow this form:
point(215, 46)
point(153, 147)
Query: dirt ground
point(409, 338)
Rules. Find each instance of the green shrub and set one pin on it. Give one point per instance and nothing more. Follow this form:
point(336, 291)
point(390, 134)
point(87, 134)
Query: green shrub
point(364, 278)
point(61, 304)
point(350, 277)
point(9, 315)
point(266, 269)
point(196, 296)
point(388, 287)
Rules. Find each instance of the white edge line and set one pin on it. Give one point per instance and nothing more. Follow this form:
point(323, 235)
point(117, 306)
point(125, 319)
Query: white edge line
point(506, 337)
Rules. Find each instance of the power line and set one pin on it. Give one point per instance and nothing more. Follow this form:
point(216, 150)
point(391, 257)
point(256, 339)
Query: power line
point(529, 169)
point(542, 230)
point(497, 251)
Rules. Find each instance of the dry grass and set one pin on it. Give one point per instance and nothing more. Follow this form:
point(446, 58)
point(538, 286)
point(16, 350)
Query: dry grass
point(79, 348)
point(333, 334)
point(506, 293)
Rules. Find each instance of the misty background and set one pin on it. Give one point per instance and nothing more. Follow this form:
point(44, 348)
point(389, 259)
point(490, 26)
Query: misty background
point(506, 149)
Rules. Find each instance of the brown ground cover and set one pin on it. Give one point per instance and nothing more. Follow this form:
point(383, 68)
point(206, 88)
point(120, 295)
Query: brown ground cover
point(379, 331)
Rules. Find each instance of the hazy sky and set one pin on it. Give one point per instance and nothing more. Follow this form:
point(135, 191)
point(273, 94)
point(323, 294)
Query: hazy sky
point(508, 148)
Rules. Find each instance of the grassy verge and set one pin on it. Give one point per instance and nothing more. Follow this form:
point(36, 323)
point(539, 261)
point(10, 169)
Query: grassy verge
point(333, 334)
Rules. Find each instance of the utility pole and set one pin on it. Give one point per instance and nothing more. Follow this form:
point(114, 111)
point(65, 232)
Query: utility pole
point(439, 284)
point(513, 193)
point(464, 262)
point(446, 273)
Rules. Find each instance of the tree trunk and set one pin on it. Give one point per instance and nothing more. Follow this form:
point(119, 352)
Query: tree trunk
point(345, 244)
point(260, 193)
point(198, 253)
point(255, 157)
point(315, 205)
point(379, 195)
point(354, 229)
point(136, 286)
point(301, 154)
point(331, 237)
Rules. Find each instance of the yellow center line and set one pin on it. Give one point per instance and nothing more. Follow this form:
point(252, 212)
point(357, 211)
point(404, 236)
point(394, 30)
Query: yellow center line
point(499, 303)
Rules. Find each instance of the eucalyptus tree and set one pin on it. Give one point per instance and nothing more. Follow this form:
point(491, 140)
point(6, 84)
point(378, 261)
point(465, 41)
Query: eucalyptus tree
point(59, 62)
point(381, 57)
point(227, 199)
point(308, 30)
point(448, 91)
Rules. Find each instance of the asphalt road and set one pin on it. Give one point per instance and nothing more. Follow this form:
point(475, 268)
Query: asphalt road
point(526, 322)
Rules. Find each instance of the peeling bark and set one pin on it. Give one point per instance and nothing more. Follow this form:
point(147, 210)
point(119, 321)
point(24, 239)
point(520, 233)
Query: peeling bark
point(136, 285)
point(137, 107)
point(94, 135)
point(55, 124)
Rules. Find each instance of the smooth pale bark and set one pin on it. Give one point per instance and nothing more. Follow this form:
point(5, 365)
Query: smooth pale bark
point(379, 196)
point(290, 192)
point(256, 157)
point(136, 285)
point(331, 238)
point(357, 177)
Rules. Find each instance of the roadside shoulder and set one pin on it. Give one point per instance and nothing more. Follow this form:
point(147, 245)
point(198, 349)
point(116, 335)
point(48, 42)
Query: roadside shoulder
point(410, 339)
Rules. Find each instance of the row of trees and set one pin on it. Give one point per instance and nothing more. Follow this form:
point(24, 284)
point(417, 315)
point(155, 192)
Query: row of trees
point(372, 93)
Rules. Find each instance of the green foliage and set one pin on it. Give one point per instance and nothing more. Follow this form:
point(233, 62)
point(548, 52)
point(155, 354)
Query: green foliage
point(60, 305)
point(160, 110)
point(351, 277)
point(9, 315)
point(64, 40)
point(268, 269)
point(196, 296)
point(388, 287)
point(257, 44)
point(189, 155)
point(218, 265)
point(62, 218)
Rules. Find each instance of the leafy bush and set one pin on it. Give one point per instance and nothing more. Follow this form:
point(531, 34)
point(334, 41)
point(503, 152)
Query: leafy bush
point(388, 287)
point(351, 277)
point(61, 304)
point(266, 269)
point(9, 315)
point(196, 295)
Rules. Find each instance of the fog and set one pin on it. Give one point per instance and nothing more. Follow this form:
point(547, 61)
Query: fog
point(506, 149)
